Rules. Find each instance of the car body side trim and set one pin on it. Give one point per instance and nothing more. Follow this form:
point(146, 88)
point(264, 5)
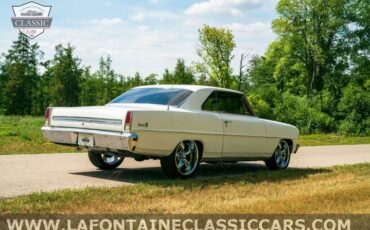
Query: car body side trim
point(88, 120)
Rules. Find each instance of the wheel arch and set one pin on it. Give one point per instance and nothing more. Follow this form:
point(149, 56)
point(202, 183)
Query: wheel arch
point(199, 144)
point(200, 148)
point(290, 143)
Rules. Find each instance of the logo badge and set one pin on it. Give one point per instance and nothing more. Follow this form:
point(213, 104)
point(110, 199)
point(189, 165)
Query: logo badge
point(140, 124)
point(31, 18)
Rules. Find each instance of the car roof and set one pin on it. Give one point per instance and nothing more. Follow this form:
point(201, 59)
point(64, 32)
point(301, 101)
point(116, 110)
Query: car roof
point(193, 88)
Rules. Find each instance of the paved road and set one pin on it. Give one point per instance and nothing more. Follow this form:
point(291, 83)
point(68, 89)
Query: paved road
point(24, 174)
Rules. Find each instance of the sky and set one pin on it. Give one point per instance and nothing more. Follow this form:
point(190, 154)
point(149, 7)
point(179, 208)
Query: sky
point(145, 36)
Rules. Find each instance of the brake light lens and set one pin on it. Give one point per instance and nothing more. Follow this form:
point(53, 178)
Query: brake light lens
point(128, 121)
point(48, 116)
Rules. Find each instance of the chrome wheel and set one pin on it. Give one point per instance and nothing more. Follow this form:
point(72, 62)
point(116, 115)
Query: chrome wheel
point(186, 157)
point(110, 158)
point(282, 154)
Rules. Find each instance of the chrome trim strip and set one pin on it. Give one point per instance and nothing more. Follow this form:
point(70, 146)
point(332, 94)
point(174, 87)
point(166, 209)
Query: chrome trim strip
point(195, 132)
point(88, 120)
point(86, 131)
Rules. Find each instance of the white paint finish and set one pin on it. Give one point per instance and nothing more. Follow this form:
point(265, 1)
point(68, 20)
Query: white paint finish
point(245, 136)
point(25, 174)
point(168, 128)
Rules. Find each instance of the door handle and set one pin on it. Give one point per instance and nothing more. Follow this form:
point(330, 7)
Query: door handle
point(227, 122)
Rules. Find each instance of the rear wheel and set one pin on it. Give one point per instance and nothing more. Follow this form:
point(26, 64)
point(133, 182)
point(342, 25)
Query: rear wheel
point(281, 157)
point(183, 162)
point(104, 160)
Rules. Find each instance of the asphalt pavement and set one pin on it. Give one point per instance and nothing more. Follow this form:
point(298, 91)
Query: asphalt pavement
point(25, 174)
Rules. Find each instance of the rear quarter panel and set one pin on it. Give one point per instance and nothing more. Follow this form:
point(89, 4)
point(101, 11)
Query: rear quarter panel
point(159, 132)
point(276, 131)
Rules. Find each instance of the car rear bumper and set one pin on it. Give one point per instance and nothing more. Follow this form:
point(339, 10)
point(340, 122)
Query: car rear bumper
point(102, 139)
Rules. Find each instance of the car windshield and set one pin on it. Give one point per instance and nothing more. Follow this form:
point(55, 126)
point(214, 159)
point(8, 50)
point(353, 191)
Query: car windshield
point(159, 96)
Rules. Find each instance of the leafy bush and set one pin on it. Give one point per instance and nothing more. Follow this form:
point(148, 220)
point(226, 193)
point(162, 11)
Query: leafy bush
point(304, 114)
point(354, 106)
point(263, 100)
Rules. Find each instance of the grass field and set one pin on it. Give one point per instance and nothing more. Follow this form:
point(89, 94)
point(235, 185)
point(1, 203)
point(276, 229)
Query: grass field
point(340, 189)
point(332, 139)
point(20, 135)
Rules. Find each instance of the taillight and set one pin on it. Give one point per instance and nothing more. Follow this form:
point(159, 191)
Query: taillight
point(48, 115)
point(128, 121)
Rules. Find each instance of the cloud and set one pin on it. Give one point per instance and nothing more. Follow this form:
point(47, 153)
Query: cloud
point(250, 27)
point(156, 38)
point(138, 17)
point(108, 21)
point(231, 7)
point(154, 15)
point(254, 36)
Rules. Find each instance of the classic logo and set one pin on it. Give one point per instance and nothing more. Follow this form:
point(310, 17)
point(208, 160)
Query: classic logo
point(31, 18)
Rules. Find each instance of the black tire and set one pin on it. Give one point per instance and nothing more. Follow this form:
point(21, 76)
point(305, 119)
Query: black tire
point(281, 157)
point(186, 151)
point(99, 159)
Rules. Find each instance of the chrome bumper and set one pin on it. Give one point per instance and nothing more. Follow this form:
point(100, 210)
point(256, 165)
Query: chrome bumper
point(102, 139)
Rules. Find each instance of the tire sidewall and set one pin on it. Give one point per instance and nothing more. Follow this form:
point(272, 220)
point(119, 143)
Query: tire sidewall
point(272, 164)
point(169, 167)
point(97, 160)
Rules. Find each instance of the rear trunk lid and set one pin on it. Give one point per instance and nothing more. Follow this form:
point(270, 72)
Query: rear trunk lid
point(96, 117)
point(109, 117)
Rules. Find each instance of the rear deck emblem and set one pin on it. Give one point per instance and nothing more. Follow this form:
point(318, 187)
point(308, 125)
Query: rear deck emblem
point(140, 124)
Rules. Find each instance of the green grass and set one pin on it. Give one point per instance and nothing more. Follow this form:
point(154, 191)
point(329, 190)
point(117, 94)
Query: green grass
point(340, 189)
point(332, 139)
point(22, 135)
point(19, 135)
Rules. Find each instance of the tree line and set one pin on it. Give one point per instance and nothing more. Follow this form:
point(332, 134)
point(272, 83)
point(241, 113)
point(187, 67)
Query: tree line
point(64, 81)
point(315, 74)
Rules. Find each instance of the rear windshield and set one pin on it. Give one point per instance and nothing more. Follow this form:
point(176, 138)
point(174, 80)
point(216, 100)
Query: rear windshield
point(159, 96)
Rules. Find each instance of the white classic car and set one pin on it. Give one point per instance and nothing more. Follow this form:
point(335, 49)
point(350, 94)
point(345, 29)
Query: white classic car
point(181, 125)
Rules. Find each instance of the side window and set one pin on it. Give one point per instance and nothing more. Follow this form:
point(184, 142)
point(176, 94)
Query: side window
point(227, 103)
point(210, 104)
point(232, 103)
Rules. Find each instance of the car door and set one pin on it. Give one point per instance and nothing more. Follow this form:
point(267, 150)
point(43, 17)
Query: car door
point(244, 133)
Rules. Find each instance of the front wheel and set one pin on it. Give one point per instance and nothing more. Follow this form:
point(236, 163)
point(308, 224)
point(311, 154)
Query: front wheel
point(281, 157)
point(183, 162)
point(105, 160)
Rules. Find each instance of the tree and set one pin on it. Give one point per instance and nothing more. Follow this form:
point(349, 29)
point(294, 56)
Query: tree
point(182, 74)
point(108, 81)
point(215, 52)
point(19, 78)
point(354, 107)
point(167, 77)
point(134, 81)
point(151, 79)
point(90, 86)
point(312, 35)
point(2, 81)
point(242, 66)
point(65, 72)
